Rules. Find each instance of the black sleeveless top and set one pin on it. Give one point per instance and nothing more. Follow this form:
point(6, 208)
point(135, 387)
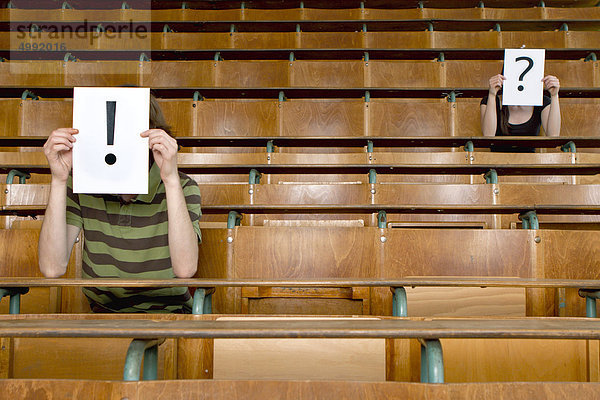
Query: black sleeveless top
point(528, 128)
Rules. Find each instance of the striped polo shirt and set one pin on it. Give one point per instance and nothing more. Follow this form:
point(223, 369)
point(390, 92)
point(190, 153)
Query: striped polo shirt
point(130, 240)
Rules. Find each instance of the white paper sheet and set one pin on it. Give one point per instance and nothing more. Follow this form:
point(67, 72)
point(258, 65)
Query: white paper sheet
point(128, 173)
point(523, 87)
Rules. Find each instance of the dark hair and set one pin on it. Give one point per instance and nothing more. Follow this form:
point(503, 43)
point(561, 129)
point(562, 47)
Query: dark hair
point(157, 118)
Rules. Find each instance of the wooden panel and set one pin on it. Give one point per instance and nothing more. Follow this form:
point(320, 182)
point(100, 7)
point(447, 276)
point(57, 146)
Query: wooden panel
point(414, 73)
point(511, 13)
point(18, 255)
point(9, 116)
point(33, 73)
point(224, 194)
point(535, 40)
point(330, 40)
point(578, 115)
point(471, 74)
point(333, 14)
point(41, 117)
point(248, 74)
point(465, 40)
point(305, 252)
point(311, 158)
point(293, 14)
point(394, 40)
point(475, 253)
point(303, 306)
point(570, 254)
point(404, 117)
point(484, 157)
point(37, 301)
point(236, 118)
point(320, 117)
point(467, 115)
point(263, 40)
point(179, 114)
point(191, 40)
point(101, 73)
point(571, 73)
point(548, 194)
point(213, 262)
point(572, 13)
point(311, 194)
point(433, 194)
point(299, 359)
point(178, 73)
point(582, 39)
point(327, 74)
point(30, 389)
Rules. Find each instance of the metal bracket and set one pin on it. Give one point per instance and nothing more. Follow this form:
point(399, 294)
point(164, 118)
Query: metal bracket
point(369, 147)
point(2, 59)
point(254, 178)
point(184, 6)
point(243, 5)
point(23, 176)
point(497, 28)
point(451, 97)
point(429, 26)
point(381, 219)
point(564, 27)
point(15, 298)
point(367, 96)
point(481, 5)
point(125, 6)
point(591, 295)
point(399, 302)
point(362, 5)
point(232, 29)
point(234, 219)
point(569, 147)
point(366, 56)
point(441, 57)
point(432, 361)
point(542, 4)
point(364, 28)
point(491, 176)
point(217, 56)
point(29, 94)
point(202, 301)
point(270, 147)
point(298, 30)
point(10, 5)
point(420, 5)
point(282, 96)
point(34, 28)
point(372, 176)
point(301, 5)
point(167, 29)
point(66, 6)
point(144, 57)
point(198, 96)
point(146, 350)
point(469, 146)
point(530, 220)
point(292, 57)
point(100, 28)
point(591, 57)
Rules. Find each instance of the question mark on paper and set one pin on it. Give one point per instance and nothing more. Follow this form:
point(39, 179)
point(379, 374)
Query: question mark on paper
point(111, 109)
point(530, 61)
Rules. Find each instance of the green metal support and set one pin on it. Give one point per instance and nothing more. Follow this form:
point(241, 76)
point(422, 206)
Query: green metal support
point(364, 28)
point(66, 6)
point(400, 304)
point(198, 96)
point(451, 97)
point(69, 58)
point(497, 28)
point(491, 176)
point(125, 6)
point(217, 56)
point(424, 366)
point(292, 57)
point(435, 361)
point(2, 59)
point(232, 29)
point(100, 28)
point(542, 4)
point(381, 219)
point(564, 27)
point(254, 177)
point(372, 176)
point(15, 298)
point(367, 96)
point(144, 57)
point(469, 146)
point(184, 6)
point(141, 349)
point(298, 30)
point(590, 301)
point(429, 26)
point(234, 219)
point(282, 96)
point(481, 5)
point(301, 5)
point(243, 5)
point(362, 5)
point(167, 29)
point(366, 56)
point(530, 220)
point(35, 28)
point(441, 57)
point(23, 176)
point(10, 5)
point(420, 5)
point(202, 302)
point(28, 94)
point(369, 146)
point(270, 147)
point(591, 57)
point(569, 147)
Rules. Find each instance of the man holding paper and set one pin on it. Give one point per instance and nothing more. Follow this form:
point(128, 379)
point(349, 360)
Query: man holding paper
point(522, 109)
point(149, 235)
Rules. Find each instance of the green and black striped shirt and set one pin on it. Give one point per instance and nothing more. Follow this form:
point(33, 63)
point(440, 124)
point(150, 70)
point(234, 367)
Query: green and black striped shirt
point(130, 240)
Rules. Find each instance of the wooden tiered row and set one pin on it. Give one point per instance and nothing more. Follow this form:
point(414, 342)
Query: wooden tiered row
point(344, 181)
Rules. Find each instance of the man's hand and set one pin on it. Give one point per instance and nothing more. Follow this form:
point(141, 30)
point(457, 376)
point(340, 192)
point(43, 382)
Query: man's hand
point(164, 150)
point(59, 152)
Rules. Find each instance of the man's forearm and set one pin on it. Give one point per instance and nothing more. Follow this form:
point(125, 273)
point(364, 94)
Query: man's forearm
point(53, 248)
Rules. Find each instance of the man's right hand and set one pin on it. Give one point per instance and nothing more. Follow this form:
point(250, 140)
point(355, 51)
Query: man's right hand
point(59, 152)
point(496, 82)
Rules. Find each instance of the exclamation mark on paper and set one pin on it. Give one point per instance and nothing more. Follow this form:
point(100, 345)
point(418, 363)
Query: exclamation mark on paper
point(111, 108)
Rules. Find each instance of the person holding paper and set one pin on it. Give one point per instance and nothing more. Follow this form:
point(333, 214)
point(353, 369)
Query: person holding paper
point(149, 236)
point(498, 120)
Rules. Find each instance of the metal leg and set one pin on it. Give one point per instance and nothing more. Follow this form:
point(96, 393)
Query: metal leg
point(590, 306)
point(207, 309)
point(151, 363)
point(15, 304)
point(135, 355)
point(400, 304)
point(424, 364)
point(435, 361)
point(199, 300)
